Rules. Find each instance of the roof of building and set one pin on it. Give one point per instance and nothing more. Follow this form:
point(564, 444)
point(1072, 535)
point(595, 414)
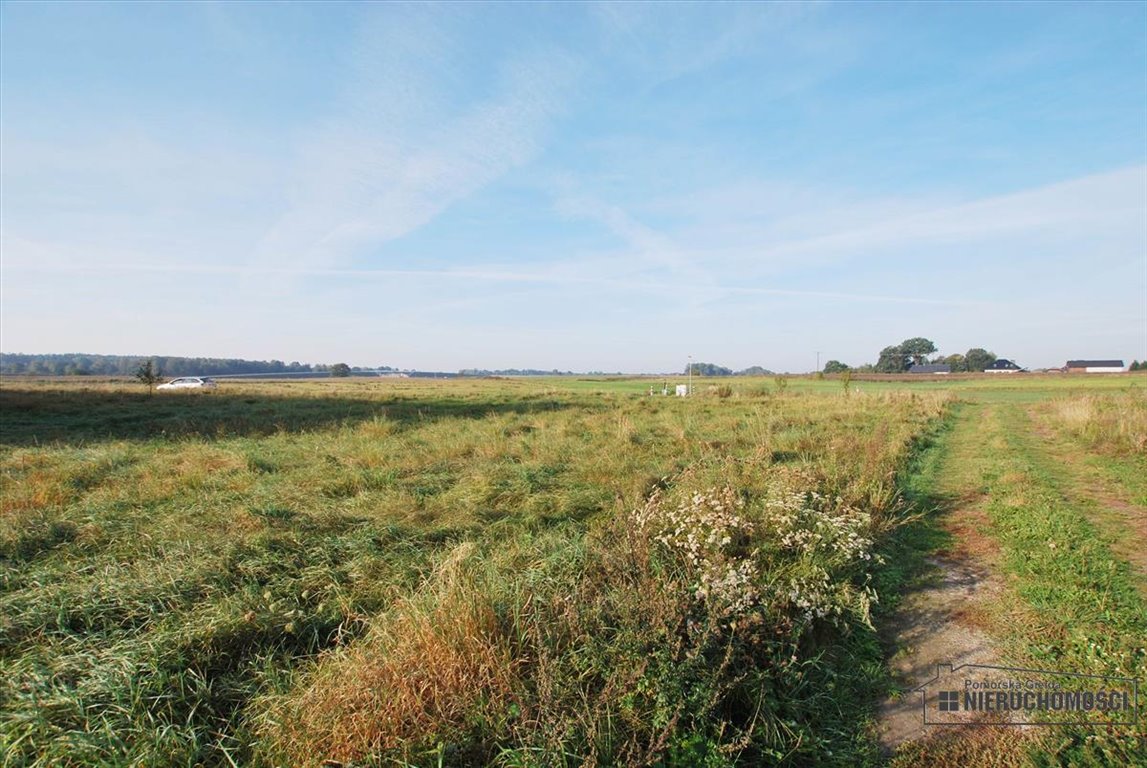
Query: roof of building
point(931, 368)
point(1003, 365)
point(1094, 363)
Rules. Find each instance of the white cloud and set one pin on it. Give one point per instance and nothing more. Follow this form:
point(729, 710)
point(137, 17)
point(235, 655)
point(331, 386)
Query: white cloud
point(1079, 207)
point(757, 230)
point(393, 157)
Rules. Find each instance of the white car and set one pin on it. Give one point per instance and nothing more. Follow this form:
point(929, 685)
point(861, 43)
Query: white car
point(189, 382)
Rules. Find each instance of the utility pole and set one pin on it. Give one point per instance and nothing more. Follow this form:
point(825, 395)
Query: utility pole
point(690, 374)
point(818, 361)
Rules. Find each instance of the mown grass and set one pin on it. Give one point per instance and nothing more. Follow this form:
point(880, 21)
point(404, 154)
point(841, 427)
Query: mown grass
point(442, 572)
point(1072, 604)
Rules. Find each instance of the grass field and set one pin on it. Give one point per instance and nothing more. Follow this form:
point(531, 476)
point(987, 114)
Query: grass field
point(539, 571)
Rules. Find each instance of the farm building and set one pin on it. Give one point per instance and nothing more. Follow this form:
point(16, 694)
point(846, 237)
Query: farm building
point(1094, 366)
point(1003, 366)
point(931, 368)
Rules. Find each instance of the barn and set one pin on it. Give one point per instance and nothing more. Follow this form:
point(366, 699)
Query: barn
point(1094, 366)
point(932, 369)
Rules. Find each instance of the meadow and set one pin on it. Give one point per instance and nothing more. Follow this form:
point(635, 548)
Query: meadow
point(523, 572)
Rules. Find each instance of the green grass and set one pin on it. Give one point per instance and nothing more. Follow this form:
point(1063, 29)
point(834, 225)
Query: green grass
point(1091, 618)
point(263, 574)
point(1071, 602)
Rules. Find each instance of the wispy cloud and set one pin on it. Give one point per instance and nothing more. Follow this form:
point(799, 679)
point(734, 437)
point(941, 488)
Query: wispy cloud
point(1071, 208)
point(648, 252)
point(392, 156)
point(760, 229)
point(566, 281)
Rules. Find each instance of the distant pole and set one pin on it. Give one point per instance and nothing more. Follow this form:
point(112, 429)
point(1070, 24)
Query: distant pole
point(690, 374)
point(818, 360)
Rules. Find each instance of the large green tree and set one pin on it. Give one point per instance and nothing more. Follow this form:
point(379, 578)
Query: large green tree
point(835, 366)
point(917, 349)
point(708, 369)
point(978, 359)
point(340, 370)
point(956, 362)
point(892, 360)
point(896, 359)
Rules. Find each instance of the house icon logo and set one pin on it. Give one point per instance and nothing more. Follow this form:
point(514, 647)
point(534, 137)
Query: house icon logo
point(981, 694)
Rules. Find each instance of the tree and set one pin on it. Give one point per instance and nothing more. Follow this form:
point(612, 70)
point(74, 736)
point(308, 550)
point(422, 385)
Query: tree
point(892, 360)
point(835, 366)
point(148, 373)
point(978, 359)
point(708, 369)
point(956, 362)
point(917, 349)
point(340, 370)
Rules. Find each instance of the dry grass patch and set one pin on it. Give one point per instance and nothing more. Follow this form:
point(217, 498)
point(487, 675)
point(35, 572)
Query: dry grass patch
point(435, 664)
point(1114, 423)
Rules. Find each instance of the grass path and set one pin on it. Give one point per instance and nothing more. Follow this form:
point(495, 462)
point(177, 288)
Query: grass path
point(1052, 584)
point(944, 616)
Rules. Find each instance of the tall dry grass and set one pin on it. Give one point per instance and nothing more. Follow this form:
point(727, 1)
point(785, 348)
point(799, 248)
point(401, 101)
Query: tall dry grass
point(432, 668)
point(1114, 423)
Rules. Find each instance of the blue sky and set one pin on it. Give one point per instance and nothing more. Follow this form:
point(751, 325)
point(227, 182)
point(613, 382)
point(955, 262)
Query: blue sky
point(573, 186)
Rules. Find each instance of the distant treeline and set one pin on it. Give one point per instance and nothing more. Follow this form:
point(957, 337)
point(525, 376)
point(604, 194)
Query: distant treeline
point(514, 372)
point(712, 369)
point(126, 365)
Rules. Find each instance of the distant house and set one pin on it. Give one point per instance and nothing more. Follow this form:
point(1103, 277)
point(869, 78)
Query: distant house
point(1003, 366)
point(933, 369)
point(1094, 366)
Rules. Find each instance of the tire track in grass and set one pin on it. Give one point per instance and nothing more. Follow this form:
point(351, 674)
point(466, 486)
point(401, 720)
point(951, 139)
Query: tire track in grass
point(1050, 590)
point(1077, 608)
point(942, 618)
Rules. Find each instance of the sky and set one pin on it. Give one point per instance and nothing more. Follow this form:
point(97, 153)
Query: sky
point(579, 186)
